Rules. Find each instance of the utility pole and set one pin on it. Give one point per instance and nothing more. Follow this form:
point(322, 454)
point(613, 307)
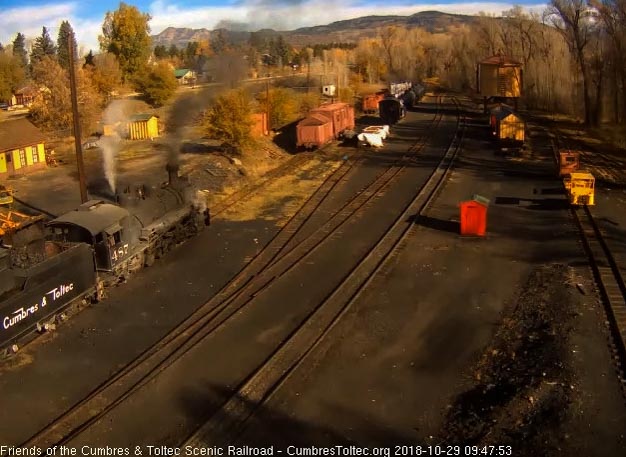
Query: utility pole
point(267, 102)
point(77, 135)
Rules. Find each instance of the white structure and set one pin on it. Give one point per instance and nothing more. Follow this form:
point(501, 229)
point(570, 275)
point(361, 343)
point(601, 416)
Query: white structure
point(329, 90)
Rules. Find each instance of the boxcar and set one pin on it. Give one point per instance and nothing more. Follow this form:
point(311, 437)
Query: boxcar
point(314, 131)
point(391, 110)
point(341, 116)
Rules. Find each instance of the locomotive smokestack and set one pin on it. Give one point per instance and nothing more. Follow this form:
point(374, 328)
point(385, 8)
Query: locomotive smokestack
point(172, 172)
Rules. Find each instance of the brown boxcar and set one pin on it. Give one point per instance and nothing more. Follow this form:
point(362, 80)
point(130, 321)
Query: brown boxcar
point(315, 130)
point(341, 116)
point(370, 102)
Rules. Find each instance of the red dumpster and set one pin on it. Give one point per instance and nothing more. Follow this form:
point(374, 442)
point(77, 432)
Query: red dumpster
point(474, 216)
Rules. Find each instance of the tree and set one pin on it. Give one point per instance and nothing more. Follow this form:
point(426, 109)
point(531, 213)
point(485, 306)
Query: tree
point(126, 34)
point(157, 84)
point(282, 106)
point(105, 74)
point(173, 51)
point(52, 108)
point(230, 118)
point(574, 20)
point(66, 33)
point(43, 46)
point(1, 48)
point(19, 49)
point(160, 51)
point(89, 59)
point(11, 75)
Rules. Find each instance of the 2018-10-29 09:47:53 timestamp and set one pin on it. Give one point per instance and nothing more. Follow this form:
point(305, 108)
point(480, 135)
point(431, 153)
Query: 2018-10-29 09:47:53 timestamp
point(452, 450)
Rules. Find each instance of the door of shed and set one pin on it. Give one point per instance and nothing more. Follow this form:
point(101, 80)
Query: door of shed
point(473, 218)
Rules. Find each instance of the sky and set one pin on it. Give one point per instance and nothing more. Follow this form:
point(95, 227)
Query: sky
point(86, 16)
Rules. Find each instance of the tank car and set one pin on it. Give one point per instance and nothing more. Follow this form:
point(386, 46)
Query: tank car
point(391, 110)
point(409, 99)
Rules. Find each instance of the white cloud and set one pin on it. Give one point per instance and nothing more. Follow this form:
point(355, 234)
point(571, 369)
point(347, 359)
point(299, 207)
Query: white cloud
point(30, 20)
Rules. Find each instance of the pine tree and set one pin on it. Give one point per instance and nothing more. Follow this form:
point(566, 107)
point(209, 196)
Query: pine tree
point(19, 49)
point(1, 48)
point(89, 59)
point(65, 34)
point(44, 46)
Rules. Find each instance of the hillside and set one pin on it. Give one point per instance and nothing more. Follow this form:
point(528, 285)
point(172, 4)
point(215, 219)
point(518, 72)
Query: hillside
point(341, 31)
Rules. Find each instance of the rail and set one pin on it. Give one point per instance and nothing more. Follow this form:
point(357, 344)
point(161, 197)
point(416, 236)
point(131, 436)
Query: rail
point(225, 425)
point(269, 265)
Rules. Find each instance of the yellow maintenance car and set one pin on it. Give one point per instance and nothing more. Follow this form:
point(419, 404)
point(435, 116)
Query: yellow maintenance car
point(579, 187)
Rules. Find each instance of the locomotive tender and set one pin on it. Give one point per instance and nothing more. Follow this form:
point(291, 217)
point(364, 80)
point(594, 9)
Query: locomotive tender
point(70, 260)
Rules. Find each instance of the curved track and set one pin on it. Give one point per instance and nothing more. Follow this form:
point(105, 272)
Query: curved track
point(273, 262)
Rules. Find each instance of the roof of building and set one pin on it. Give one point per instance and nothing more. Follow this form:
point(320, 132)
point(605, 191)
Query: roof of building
point(18, 133)
point(26, 90)
point(141, 117)
point(501, 60)
point(95, 216)
point(180, 72)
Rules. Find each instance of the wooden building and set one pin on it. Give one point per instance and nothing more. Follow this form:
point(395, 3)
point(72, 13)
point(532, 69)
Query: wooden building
point(24, 96)
point(185, 76)
point(143, 127)
point(499, 78)
point(22, 147)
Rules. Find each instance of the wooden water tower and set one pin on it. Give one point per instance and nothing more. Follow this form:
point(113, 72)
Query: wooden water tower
point(499, 80)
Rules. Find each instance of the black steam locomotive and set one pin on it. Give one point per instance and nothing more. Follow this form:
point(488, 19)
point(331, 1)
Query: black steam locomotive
point(44, 268)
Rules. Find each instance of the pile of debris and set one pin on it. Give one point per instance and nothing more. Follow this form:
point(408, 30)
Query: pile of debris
point(522, 384)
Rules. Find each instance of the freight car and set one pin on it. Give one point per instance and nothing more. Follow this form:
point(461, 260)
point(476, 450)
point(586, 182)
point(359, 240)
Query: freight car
point(370, 102)
point(391, 110)
point(45, 269)
point(324, 124)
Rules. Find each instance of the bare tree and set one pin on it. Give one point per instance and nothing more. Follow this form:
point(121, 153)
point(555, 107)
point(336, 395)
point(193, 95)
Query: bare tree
point(574, 20)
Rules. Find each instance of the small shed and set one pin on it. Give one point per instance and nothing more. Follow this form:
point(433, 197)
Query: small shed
point(143, 127)
point(509, 126)
point(185, 76)
point(499, 76)
point(24, 96)
point(474, 216)
point(329, 90)
point(315, 130)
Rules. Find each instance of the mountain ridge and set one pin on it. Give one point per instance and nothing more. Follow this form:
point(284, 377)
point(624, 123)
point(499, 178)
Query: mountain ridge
point(347, 30)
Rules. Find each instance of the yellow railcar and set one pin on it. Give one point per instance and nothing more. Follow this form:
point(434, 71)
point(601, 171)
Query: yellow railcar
point(579, 188)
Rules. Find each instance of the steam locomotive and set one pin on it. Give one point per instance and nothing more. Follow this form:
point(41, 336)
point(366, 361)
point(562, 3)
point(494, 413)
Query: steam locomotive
point(46, 267)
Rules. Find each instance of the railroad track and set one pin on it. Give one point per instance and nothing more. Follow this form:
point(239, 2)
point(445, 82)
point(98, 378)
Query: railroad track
point(229, 421)
point(270, 264)
point(610, 284)
point(608, 278)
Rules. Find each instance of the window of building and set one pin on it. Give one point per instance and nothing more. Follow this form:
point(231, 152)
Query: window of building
point(23, 157)
point(34, 153)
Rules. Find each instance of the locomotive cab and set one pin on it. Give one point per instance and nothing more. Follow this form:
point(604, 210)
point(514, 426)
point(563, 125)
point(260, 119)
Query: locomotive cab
point(106, 227)
point(579, 187)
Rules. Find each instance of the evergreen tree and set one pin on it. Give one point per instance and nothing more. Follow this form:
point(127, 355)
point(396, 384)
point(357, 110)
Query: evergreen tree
point(160, 51)
point(66, 33)
point(44, 46)
point(173, 51)
point(89, 59)
point(1, 48)
point(19, 49)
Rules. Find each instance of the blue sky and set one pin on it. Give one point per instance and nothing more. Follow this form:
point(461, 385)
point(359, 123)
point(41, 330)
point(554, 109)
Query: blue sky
point(86, 16)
